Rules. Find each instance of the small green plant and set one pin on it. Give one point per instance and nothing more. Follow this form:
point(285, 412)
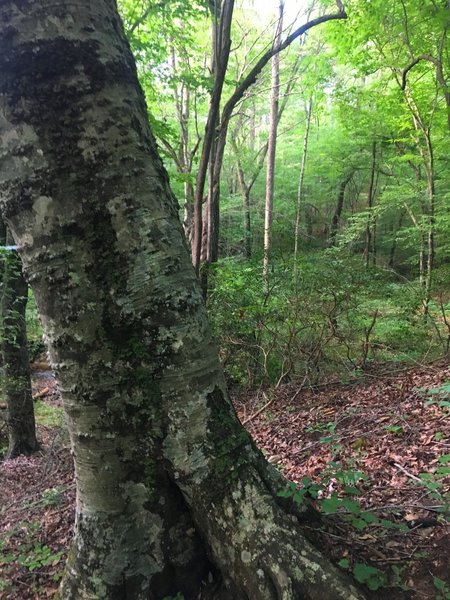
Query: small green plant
point(440, 396)
point(53, 496)
point(37, 556)
point(342, 502)
point(329, 427)
point(443, 589)
point(372, 577)
point(324, 427)
point(431, 482)
point(5, 584)
point(395, 429)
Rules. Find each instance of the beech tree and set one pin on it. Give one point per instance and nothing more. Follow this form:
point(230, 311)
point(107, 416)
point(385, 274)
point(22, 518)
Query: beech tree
point(170, 486)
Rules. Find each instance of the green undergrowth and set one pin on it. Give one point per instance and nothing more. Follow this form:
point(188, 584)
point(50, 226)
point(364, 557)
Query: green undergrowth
point(48, 415)
point(23, 553)
point(333, 318)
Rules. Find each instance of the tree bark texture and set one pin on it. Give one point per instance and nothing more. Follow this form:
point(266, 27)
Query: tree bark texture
point(16, 363)
point(168, 481)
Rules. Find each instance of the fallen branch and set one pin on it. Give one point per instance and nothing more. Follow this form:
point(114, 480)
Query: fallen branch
point(260, 410)
point(302, 385)
point(263, 408)
point(407, 473)
point(40, 394)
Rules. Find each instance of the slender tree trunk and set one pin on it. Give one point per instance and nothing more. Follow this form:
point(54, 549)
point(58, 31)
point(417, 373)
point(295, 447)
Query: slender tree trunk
point(223, 52)
point(246, 216)
point(300, 184)
point(430, 219)
point(339, 207)
point(246, 188)
point(246, 82)
point(394, 241)
point(370, 198)
point(211, 240)
point(425, 147)
point(15, 359)
point(166, 475)
point(271, 149)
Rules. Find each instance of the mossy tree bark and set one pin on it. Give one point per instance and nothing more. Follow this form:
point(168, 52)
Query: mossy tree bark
point(14, 354)
point(169, 484)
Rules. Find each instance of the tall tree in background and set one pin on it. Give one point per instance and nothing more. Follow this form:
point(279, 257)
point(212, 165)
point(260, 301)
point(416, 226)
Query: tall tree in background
point(301, 177)
point(14, 353)
point(272, 145)
point(246, 184)
point(168, 481)
point(242, 86)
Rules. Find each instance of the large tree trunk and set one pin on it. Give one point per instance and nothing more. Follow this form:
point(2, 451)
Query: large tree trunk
point(166, 475)
point(14, 352)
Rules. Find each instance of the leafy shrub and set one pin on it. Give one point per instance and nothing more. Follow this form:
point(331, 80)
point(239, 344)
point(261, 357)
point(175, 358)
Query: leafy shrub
point(334, 317)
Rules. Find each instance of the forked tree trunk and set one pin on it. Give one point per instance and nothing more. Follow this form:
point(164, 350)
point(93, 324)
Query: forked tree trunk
point(16, 363)
point(165, 472)
point(223, 44)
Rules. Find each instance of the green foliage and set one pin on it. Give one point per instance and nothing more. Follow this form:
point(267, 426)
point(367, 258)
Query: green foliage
point(53, 496)
point(36, 346)
point(337, 317)
point(30, 555)
point(342, 502)
point(370, 576)
point(443, 589)
point(439, 395)
point(36, 556)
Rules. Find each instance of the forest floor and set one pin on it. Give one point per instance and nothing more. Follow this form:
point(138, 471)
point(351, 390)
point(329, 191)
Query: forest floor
point(379, 436)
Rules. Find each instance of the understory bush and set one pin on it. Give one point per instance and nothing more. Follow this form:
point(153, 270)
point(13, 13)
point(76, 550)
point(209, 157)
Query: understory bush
point(329, 315)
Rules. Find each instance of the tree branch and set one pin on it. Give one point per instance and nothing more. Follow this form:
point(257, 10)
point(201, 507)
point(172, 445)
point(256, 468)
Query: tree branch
point(253, 74)
point(413, 63)
point(144, 15)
